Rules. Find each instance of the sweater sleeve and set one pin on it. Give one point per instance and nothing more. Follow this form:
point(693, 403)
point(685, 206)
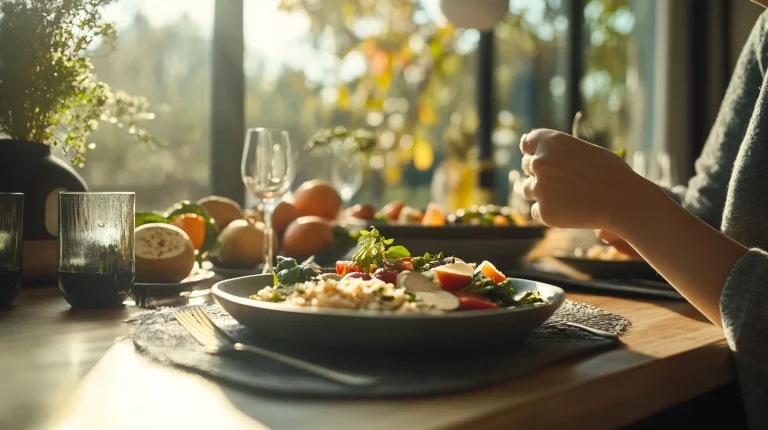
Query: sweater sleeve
point(744, 309)
point(705, 194)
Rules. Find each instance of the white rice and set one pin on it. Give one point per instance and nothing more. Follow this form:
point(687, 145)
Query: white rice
point(346, 294)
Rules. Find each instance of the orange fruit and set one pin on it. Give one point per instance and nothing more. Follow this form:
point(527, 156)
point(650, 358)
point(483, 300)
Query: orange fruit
point(519, 220)
point(490, 271)
point(194, 226)
point(500, 220)
point(433, 216)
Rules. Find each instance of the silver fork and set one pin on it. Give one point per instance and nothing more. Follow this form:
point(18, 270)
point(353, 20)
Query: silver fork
point(215, 341)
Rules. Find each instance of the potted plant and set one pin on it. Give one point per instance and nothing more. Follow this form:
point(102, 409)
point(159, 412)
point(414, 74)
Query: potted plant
point(50, 97)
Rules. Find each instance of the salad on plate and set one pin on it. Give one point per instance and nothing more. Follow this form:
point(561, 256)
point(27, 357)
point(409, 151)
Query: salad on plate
point(386, 277)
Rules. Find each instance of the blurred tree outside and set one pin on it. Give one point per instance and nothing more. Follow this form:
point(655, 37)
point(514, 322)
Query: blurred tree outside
point(171, 65)
point(391, 66)
point(394, 67)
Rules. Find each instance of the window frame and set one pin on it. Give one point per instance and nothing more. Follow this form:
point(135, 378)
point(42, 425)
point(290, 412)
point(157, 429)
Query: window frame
point(228, 95)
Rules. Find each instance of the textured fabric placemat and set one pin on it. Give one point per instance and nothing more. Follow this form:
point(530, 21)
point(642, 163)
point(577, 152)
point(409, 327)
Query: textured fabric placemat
point(158, 335)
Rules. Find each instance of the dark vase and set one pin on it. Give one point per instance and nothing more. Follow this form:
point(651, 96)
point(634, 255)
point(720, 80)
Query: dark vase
point(29, 168)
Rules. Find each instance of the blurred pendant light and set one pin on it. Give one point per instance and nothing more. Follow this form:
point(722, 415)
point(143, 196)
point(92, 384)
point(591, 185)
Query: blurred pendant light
point(482, 15)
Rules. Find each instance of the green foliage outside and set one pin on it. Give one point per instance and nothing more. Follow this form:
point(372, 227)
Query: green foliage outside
point(416, 93)
point(48, 92)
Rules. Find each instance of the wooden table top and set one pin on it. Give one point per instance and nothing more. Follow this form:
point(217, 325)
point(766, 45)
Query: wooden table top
point(62, 369)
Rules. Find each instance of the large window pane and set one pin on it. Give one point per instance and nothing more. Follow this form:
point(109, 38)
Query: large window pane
point(618, 87)
point(531, 78)
point(394, 67)
point(163, 54)
point(399, 68)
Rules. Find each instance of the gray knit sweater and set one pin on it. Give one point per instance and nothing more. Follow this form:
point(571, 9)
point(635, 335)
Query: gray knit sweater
point(727, 192)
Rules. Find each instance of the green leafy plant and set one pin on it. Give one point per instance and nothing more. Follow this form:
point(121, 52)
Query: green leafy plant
point(48, 92)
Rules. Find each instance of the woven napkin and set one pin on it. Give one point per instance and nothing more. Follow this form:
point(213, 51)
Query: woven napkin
point(403, 373)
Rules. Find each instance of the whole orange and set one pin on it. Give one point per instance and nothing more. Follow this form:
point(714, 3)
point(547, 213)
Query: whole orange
point(194, 226)
point(317, 198)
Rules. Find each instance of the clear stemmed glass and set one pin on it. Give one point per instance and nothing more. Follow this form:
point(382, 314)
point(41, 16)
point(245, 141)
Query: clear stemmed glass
point(267, 171)
point(347, 172)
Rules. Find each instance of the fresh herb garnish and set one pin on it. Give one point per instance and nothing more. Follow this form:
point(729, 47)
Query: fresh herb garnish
point(529, 297)
point(410, 297)
point(276, 297)
point(429, 261)
point(386, 298)
point(396, 253)
point(374, 251)
point(502, 293)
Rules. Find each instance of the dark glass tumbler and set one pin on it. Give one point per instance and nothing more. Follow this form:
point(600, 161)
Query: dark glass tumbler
point(11, 245)
point(96, 261)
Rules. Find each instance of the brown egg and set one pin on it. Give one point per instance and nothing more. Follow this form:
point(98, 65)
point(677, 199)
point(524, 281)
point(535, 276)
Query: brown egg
point(308, 235)
point(285, 213)
point(317, 198)
point(221, 209)
point(241, 244)
point(365, 212)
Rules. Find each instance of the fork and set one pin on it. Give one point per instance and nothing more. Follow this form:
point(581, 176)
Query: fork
point(216, 341)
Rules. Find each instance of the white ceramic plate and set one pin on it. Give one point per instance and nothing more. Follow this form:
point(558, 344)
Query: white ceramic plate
point(351, 329)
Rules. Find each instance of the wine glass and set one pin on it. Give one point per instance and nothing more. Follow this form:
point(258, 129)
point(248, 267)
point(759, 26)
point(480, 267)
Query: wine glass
point(347, 171)
point(267, 171)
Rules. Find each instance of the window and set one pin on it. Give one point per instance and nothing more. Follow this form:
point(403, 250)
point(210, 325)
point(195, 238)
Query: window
point(618, 83)
point(162, 53)
point(395, 67)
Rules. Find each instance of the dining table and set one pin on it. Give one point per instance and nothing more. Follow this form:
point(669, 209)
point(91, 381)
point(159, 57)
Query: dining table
point(62, 368)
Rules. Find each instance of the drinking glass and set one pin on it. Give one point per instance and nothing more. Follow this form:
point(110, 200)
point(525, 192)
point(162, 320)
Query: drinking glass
point(96, 245)
point(11, 242)
point(347, 171)
point(267, 171)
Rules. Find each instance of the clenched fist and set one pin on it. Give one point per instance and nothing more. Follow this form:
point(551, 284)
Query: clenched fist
point(577, 184)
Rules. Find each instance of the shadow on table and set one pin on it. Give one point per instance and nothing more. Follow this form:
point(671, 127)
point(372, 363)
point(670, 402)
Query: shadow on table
point(682, 308)
point(279, 411)
point(7, 311)
point(94, 315)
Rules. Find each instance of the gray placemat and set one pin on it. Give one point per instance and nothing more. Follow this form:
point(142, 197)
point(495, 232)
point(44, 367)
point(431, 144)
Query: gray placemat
point(158, 335)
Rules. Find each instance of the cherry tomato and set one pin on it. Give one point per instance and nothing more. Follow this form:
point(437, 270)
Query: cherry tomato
point(471, 301)
point(388, 276)
point(344, 267)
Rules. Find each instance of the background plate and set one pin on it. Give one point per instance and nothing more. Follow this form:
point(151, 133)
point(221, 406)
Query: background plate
point(610, 269)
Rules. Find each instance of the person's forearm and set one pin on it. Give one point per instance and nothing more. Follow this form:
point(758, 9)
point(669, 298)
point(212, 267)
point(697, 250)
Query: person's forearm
point(692, 256)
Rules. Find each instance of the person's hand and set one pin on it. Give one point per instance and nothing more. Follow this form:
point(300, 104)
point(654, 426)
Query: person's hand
point(615, 241)
point(576, 184)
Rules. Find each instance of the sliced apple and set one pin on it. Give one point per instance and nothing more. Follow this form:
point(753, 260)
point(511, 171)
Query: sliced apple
point(453, 277)
point(442, 300)
point(490, 271)
point(416, 282)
